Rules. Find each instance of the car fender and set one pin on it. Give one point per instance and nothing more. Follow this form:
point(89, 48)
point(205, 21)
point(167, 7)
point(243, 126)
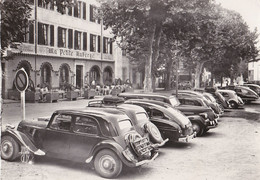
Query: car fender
point(23, 140)
point(108, 144)
point(197, 119)
point(230, 100)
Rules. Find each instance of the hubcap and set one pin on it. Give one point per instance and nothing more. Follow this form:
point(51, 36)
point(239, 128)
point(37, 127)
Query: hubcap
point(7, 148)
point(107, 163)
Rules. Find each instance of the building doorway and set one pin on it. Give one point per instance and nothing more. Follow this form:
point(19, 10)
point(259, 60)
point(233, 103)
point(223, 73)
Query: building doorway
point(94, 75)
point(79, 76)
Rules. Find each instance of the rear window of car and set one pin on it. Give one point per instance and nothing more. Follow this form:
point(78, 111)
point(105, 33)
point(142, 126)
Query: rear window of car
point(125, 125)
point(142, 117)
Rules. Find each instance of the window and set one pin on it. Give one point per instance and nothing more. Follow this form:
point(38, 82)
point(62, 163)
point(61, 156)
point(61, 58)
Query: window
point(29, 36)
point(91, 13)
point(77, 38)
point(43, 35)
point(84, 10)
point(64, 74)
point(85, 41)
point(61, 122)
point(85, 125)
point(93, 43)
point(70, 39)
point(79, 9)
point(157, 113)
point(105, 45)
point(62, 37)
point(69, 10)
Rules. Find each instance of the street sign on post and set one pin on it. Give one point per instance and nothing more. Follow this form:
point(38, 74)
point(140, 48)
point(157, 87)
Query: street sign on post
point(21, 80)
point(21, 83)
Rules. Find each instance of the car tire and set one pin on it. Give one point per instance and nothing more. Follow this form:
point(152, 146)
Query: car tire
point(198, 129)
point(154, 133)
point(233, 104)
point(107, 164)
point(9, 148)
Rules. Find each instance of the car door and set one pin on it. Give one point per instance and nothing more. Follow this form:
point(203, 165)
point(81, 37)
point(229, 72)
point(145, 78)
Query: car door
point(55, 141)
point(86, 134)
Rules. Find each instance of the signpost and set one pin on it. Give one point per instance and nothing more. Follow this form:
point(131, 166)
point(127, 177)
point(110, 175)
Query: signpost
point(21, 82)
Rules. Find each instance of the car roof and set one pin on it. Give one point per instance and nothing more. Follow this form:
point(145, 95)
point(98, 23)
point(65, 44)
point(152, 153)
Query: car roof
point(226, 90)
point(131, 107)
point(154, 103)
point(108, 114)
point(147, 94)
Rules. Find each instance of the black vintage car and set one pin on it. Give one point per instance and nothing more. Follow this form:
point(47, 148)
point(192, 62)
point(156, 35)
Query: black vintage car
point(171, 123)
point(104, 137)
point(245, 93)
point(204, 112)
point(137, 115)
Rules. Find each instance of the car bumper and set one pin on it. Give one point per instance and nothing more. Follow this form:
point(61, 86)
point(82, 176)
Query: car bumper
point(212, 124)
point(187, 138)
point(160, 144)
point(147, 160)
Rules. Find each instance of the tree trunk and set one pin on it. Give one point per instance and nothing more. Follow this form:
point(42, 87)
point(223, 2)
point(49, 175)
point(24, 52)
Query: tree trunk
point(169, 75)
point(155, 54)
point(148, 63)
point(198, 70)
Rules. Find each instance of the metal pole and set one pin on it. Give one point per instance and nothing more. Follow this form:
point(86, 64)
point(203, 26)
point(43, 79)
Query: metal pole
point(177, 77)
point(35, 39)
point(23, 104)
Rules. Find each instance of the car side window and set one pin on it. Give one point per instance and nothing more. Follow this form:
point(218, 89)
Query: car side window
point(61, 122)
point(224, 94)
point(158, 114)
point(85, 125)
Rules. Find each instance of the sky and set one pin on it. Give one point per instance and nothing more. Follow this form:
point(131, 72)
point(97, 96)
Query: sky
point(249, 10)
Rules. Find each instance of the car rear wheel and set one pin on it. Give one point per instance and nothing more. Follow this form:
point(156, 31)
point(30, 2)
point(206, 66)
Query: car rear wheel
point(9, 148)
point(198, 129)
point(107, 164)
point(233, 104)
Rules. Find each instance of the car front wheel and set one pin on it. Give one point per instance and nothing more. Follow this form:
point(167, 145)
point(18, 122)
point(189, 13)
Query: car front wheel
point(107, 164)
point(198, 129)
point(9, 148)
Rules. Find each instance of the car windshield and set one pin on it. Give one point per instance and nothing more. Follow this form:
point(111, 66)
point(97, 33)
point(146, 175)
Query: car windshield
point(174, 101)
point(125, 125)
point(142, 117)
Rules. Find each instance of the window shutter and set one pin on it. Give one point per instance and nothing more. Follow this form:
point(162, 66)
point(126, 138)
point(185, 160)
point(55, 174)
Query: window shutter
point(75, 40)
point(31, 33)
point(59, 37)
point(40, 33)
point(52, 35)
point(104, 45)
point(84, 10)
point(76, 10)
point(99, 43)
point(91, 15)
point(70, 38)
point(91, 43)
point(111, 46)
point(84, 41)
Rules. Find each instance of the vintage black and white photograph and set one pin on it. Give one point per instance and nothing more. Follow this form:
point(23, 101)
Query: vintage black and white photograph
point(130, 89)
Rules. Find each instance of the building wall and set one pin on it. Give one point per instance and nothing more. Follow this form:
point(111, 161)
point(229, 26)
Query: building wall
point(254, 71)
point(36, 55)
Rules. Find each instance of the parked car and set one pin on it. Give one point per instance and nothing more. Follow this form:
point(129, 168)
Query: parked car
point(200, 123)
point(245, 93)
point(171, 122)
point(254, 87)
point(137, 115)
point(205, 112)
point(218, 96)
point(232, 98)
point(199, 99)
point(105, 137)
